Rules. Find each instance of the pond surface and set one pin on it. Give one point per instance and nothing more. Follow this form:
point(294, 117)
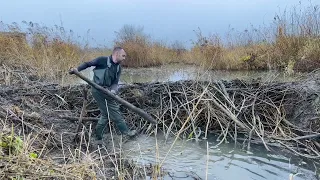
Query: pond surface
point(178, 72)
point(188, 160)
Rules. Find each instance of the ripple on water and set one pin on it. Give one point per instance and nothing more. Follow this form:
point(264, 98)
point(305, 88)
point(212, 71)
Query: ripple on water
point(188, 158)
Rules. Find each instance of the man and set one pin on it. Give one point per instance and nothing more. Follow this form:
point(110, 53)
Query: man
point(107, 74)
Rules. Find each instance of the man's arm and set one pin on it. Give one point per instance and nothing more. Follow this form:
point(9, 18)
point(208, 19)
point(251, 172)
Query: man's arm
point(94, 62)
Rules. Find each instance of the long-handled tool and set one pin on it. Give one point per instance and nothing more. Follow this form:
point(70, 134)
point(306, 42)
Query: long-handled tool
point(117, 98)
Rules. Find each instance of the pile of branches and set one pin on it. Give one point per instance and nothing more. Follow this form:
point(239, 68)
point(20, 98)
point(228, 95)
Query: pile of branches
point(271, 114)
point(33, 141)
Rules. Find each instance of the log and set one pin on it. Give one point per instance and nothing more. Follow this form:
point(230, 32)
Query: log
point(117, 98)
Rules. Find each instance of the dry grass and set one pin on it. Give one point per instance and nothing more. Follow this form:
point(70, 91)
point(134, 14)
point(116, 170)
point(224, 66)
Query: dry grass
point(49, 52)
point(26, 156)
point(291, 42)
point(142, 50)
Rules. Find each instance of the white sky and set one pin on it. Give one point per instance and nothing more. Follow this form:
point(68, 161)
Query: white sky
point(168, 20)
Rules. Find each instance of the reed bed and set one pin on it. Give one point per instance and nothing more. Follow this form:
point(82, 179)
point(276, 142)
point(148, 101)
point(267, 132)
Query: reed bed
point(290, 43)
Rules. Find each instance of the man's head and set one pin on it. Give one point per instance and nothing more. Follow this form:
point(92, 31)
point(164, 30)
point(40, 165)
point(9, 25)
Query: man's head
point(118, 55)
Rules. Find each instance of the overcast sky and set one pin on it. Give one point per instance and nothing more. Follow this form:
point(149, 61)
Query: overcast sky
point(168, 20)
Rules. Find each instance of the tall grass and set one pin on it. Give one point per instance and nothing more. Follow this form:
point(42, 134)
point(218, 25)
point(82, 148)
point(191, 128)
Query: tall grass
point(143, 51)
point(49, 52)
point(298, 38)
point(291, 42)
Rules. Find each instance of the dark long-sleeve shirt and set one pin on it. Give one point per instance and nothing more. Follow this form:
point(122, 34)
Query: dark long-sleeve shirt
point(111, 76)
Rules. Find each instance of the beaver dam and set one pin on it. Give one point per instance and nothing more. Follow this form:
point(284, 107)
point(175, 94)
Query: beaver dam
point(41, 137)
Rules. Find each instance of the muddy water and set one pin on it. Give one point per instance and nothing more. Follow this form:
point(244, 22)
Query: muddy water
point(188, 160)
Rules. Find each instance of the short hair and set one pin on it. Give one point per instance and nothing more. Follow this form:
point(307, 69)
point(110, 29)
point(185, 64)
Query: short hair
point(117, 49)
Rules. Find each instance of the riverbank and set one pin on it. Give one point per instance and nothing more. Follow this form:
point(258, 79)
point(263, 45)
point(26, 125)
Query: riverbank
point(44, 115)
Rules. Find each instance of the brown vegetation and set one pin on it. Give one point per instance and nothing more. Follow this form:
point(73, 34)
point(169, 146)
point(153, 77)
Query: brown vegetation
point(291, 42)
point(47, 52)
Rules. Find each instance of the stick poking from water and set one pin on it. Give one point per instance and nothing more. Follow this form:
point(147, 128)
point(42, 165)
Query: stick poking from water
point(207, 163)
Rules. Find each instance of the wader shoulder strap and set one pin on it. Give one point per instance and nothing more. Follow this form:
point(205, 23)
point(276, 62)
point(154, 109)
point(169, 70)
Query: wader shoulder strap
point(109, 62)
point(109, 65)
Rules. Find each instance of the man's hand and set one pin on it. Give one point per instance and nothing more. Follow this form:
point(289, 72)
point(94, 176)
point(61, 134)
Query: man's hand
point(113, 92)
point(72, 70)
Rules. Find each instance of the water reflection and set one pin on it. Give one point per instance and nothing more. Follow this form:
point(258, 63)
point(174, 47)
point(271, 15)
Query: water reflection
point(189, 159)
point(187, 72)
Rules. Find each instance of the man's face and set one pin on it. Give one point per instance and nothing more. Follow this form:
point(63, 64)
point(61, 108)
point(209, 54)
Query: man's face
point(121, 55)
